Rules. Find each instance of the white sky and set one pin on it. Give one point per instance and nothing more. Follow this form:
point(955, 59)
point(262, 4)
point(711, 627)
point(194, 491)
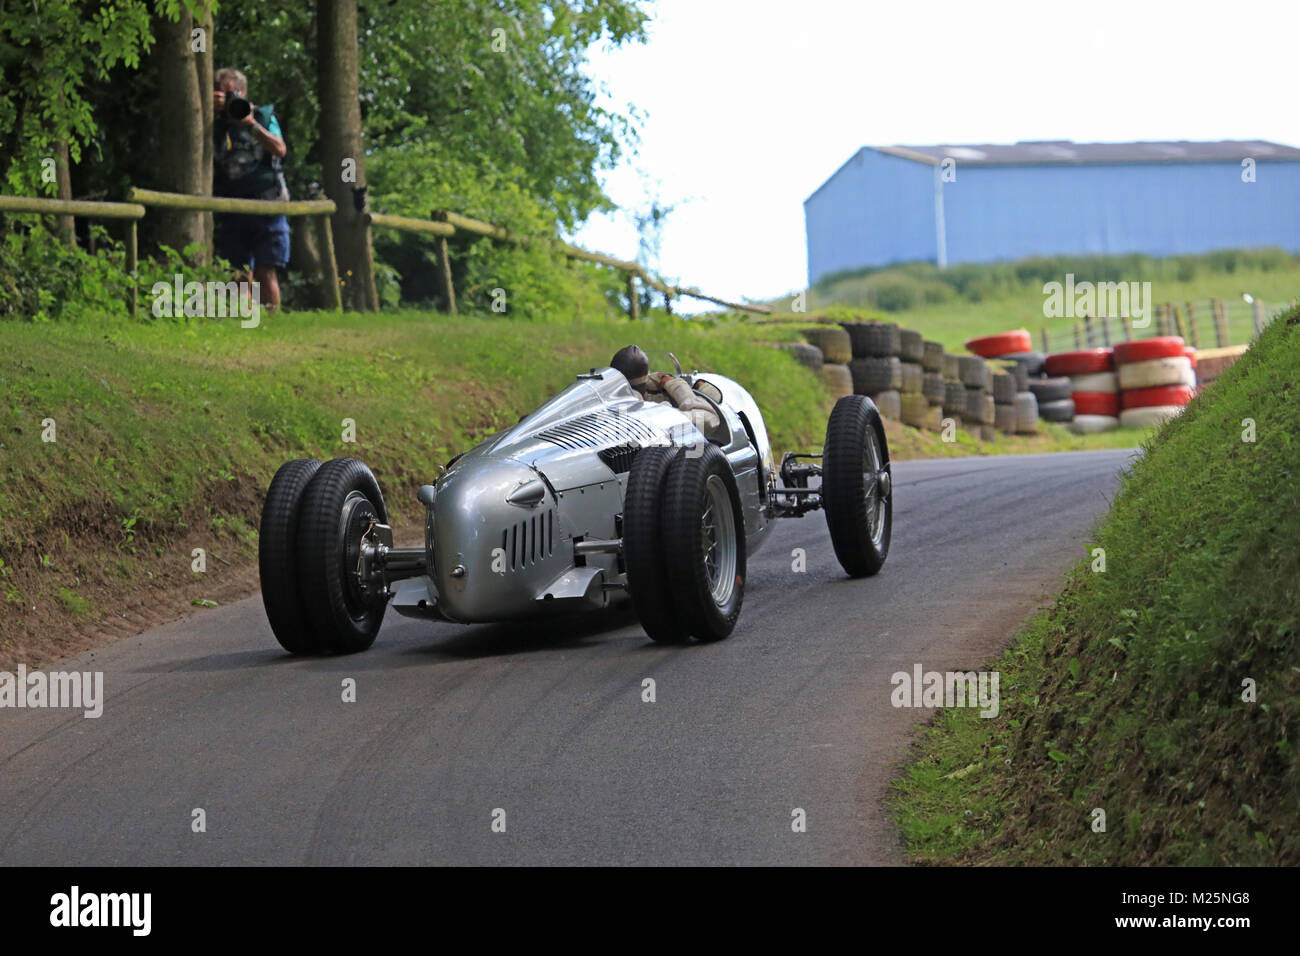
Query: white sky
point(751, 104)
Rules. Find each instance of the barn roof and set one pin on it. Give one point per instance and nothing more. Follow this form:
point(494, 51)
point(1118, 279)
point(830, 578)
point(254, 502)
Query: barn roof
point(1043, 152)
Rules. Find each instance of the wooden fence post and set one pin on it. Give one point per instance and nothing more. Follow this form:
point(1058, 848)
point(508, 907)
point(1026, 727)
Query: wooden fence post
point(444, 274)
point(1046, 348)
point(1105, 331)
point(1221, 334)
point(132, 263)
point(1089, 332)
point(1257, 309)
point(1078, 336)
point(329, 266)
point(1128, 328)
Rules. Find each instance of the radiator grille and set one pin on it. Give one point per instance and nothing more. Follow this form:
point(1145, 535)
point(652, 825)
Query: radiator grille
point(530, 541)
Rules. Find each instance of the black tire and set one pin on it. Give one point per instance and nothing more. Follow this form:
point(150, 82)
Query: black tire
point(838, 379)
point(1004, 388)
point(1061, 410)
point(833, 341)
point(871, 375)
point(974, 372)
point(345, 620)
point(809, 356)
point(1032, 361)
point(1050, 389)
point(932, 356)
point(643, 550)
point(873, 339)
point(933, 388)
point(954, 396)
point(277, 556)
point(911, 377)
point(911, 346)
point(707, 600)
point(845, 487)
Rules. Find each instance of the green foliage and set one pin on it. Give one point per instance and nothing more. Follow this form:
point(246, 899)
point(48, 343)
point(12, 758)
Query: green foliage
point(49, 53)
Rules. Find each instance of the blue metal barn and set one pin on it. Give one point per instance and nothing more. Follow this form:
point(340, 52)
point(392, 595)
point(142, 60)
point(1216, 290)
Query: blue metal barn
point(949, 204)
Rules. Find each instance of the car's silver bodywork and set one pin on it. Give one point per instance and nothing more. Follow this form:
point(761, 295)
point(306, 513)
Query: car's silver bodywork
point(529, 520)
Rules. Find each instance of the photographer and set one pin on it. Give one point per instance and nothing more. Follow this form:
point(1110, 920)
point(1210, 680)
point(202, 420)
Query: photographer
point(247, 150)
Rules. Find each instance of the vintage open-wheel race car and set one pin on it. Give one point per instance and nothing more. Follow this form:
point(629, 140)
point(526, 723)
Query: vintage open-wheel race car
point(600, 493)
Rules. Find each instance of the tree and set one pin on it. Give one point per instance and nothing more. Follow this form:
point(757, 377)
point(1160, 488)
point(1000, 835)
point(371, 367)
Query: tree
point(181, 162)
point(342, 153)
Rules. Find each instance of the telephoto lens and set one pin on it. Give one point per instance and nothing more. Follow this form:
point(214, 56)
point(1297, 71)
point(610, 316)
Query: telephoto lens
point(237, 107)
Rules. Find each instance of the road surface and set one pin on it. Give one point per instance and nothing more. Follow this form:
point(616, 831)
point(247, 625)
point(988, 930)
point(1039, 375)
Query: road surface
point(546, 722)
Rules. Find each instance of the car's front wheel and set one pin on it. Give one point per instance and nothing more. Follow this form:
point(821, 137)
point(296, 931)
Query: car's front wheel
point(857, 486)
point(704, 543)
point(339, 507)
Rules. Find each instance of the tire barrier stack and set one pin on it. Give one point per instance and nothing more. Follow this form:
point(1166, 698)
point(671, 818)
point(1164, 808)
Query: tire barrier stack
point(915, 408)
point(979, 409)
point(1156, 379)
point(1093, 388)
point(837, 352)
point(875, 366)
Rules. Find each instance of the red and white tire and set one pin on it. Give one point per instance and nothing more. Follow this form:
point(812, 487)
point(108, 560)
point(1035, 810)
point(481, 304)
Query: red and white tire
point(1080, 363)
point(991, 346)
point(1171, 370)
point(1158, 395)
point(1143, 350)
point(1096, 403)
point(1091, 424)
point(1149, 415)
point(1095, 382)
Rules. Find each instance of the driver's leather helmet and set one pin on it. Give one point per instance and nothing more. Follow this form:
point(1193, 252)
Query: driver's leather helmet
point(633, 363)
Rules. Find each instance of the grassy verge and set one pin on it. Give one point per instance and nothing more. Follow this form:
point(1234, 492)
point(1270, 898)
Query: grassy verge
point(166, 433)
point(1163, 690)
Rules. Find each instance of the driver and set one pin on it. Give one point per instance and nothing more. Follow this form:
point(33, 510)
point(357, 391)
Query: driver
point(664, 387)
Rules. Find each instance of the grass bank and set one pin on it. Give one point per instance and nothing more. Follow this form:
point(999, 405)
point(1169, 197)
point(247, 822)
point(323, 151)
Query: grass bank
point(1164, 690)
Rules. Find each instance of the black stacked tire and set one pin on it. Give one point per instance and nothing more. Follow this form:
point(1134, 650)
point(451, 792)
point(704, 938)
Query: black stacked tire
point(344, 619)
point(873, 339)
point(911, 346)
point(872, 375)
point(643, 548)
point(932, 356)
point(686, 497)
point(933, 388)
point(845, 486)
point(809, 356)
point(833, 341)
point(1050, 390)
point(1004, 388)
point(277, 556)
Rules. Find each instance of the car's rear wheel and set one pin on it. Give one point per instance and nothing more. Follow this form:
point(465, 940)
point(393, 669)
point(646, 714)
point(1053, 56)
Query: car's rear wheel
point(277, 556)
point(704, 543)
point(643, 549)
point(341, 503)
point(857, 486)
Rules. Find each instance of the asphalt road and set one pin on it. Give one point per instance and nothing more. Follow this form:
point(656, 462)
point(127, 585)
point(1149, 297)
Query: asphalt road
point(547, 723)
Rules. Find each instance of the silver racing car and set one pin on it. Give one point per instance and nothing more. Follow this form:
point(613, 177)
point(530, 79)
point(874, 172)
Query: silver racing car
point(653, 486)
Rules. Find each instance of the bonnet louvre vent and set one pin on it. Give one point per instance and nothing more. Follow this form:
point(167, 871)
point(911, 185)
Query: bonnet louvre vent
point(599, 430)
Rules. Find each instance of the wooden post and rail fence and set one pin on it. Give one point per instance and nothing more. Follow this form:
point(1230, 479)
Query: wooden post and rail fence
point(440, 226)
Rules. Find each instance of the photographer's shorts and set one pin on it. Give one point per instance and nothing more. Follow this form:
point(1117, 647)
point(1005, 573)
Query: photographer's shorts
point(253, 240)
